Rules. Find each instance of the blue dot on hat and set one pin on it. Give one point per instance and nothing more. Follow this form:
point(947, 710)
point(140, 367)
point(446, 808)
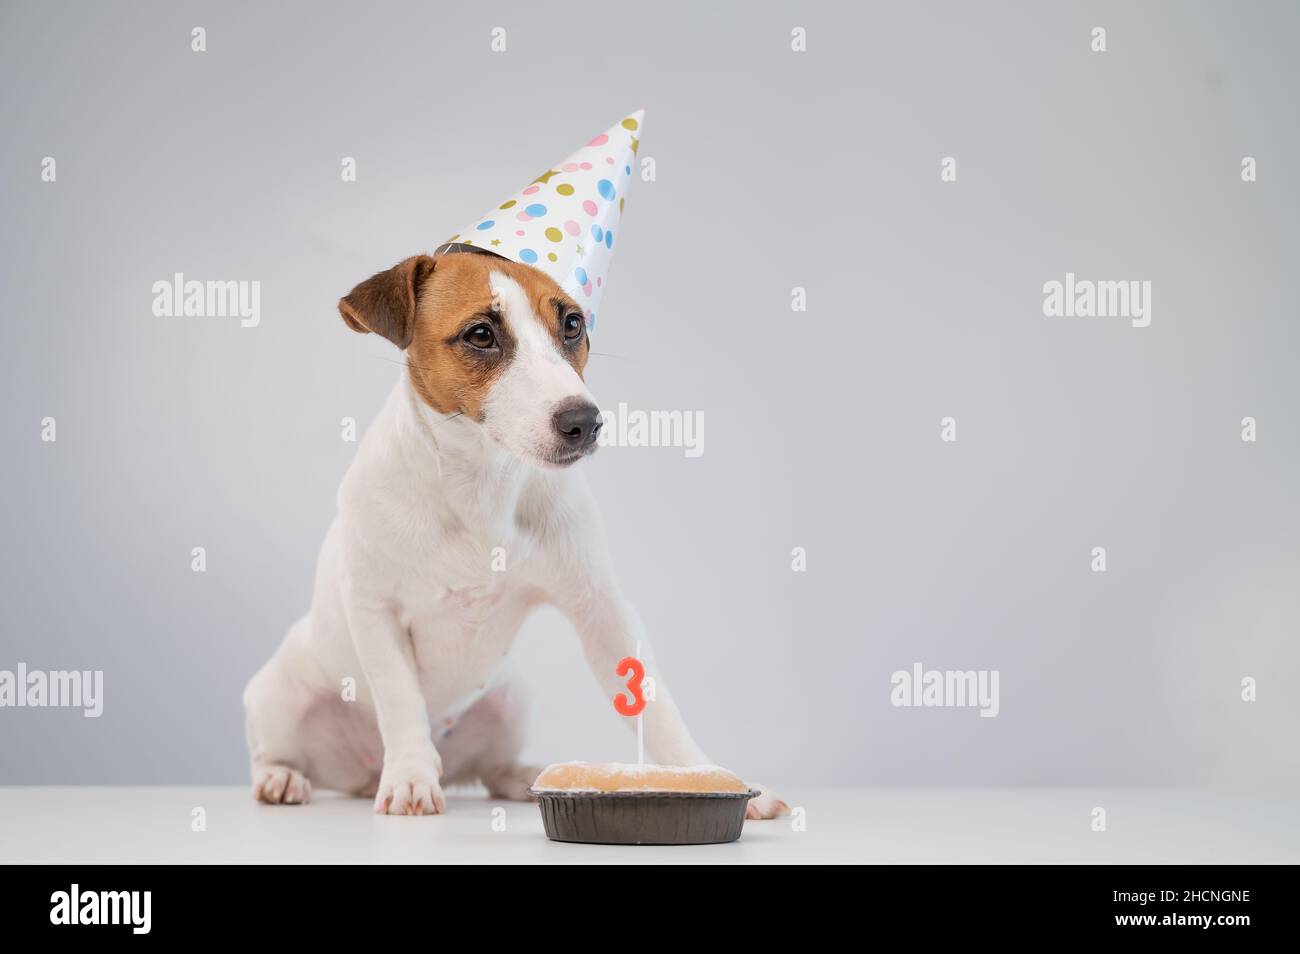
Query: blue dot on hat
point(597, 233)
point(606, 189)
point(580, 274)
point(527, 255)
point(536, 210)
point(609, 240)
point(627, 170)
point(482, 226)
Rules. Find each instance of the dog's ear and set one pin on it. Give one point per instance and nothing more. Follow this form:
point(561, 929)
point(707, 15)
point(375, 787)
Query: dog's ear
point(385, 303)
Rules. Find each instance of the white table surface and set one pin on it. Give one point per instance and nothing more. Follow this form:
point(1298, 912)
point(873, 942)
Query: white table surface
point(890, 825)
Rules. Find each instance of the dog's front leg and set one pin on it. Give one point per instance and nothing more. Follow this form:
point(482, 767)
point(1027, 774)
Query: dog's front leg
point(409, 782)
point(609, 629)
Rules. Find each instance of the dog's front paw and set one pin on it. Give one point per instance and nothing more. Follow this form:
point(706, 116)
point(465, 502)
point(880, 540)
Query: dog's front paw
point(409, 791)
point(280, 785)
point(767, 804)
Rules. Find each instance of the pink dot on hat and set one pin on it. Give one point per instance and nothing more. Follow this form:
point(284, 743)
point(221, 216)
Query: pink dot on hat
point(523, 217)
point(599, 140)
point(570, 167)
point(586, 289)
point(531, 189)
point(586, 165)
point(572, 227)
point(589, 207)
point(519, 232)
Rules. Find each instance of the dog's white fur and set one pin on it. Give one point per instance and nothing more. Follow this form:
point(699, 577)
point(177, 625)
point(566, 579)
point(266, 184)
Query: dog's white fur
point(407, 604)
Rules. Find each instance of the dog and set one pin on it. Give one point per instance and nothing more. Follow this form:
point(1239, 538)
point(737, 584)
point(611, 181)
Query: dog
point(473, 451)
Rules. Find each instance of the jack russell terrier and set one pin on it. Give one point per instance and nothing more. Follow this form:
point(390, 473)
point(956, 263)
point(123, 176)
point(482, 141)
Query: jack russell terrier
point(472, 451)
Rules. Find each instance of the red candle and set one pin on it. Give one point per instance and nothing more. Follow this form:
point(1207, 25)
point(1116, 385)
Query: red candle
point(632, 665)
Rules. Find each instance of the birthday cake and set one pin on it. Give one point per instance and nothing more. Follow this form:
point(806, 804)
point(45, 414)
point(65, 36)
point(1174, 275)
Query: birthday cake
point(616, 804)
point(620, 777)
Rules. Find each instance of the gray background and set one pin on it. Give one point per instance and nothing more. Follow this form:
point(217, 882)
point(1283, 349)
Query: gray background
point(822, 429)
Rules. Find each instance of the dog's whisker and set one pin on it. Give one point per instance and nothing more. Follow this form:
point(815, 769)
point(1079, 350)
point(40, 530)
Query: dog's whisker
point(405, 364)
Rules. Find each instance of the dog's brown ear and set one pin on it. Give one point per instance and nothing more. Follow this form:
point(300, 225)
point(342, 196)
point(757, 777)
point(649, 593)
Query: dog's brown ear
point(385, 303)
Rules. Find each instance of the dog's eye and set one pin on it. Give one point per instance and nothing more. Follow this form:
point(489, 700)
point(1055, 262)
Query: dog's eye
point(573, 327)
point(481, 336)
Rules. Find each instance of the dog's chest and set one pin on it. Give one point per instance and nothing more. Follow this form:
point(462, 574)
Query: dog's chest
point(462, 609)
point(458, 584)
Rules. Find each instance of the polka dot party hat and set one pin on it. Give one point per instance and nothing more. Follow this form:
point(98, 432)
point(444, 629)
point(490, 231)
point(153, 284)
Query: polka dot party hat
point(567, 220)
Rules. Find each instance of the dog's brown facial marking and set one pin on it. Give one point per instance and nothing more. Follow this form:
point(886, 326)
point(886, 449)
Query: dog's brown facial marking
point(461, 346)
point(463, 341)
point(459, 336)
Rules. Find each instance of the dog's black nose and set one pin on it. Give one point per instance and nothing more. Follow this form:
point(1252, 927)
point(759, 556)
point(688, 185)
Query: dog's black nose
point(577, 425)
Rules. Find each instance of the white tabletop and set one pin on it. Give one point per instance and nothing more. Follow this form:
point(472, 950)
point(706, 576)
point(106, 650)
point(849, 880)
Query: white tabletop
point(133, 825)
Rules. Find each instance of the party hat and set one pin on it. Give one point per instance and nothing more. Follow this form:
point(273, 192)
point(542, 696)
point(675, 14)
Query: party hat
point(565, 221)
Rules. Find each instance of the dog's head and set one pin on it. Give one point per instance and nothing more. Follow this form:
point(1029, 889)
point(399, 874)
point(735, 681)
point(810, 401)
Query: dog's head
point(494, 340)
